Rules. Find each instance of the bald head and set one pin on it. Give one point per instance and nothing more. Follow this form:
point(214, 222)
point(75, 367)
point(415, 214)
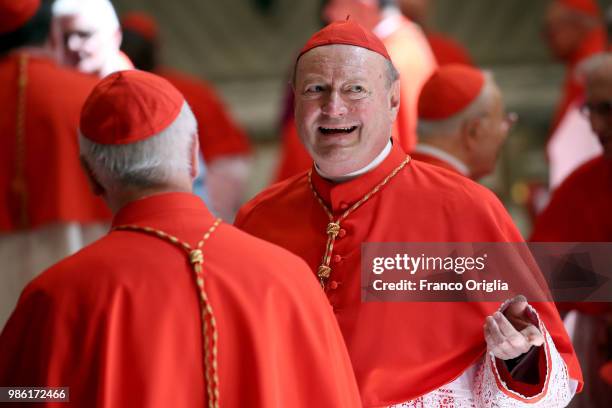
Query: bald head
point(597, 75)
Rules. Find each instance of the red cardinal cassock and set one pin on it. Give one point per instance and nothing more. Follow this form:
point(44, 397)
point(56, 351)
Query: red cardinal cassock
point(173, 307)
point(429, 354)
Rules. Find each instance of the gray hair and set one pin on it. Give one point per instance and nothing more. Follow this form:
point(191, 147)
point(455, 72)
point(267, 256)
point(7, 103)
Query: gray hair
point(452, 125)
point(147, 163)
point(392, 73)
point(101, 10)
point(594, 65)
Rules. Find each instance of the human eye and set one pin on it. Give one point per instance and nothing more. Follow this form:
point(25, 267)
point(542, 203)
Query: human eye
point(84, 35)
point(356, 89)
point(314, 89)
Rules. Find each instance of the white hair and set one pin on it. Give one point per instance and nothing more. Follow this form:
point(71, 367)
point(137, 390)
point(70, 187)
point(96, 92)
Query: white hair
point(147, 163)
point(597, 64)
point(452, 125)
point(102, 10)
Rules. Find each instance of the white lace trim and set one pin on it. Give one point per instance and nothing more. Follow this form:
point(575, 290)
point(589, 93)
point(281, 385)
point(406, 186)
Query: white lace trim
point(558, 387)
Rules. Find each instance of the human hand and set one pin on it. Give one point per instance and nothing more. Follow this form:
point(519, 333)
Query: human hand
point(514, 332)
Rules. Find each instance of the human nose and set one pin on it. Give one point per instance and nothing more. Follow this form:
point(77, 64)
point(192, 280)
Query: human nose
point(334, 105)
point(74, 42)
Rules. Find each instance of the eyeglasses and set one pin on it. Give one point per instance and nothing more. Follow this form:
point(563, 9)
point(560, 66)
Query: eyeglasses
point(509, 120)
point(596, 108)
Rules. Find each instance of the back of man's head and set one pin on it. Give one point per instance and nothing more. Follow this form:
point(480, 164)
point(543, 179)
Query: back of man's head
point(24, 23)
point(461, 112)
point(138, 133)
point(453, 94)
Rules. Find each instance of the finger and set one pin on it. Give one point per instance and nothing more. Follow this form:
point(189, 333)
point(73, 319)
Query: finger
point(491, 344)
point(496, 335)
point(504, 325)
point(517, 341)
point(506, 347)
point(531, 315)
point(533, 335)
point(517, 306)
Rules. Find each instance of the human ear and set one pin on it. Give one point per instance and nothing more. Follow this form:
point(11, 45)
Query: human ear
point(394, 99)
point(471, 131)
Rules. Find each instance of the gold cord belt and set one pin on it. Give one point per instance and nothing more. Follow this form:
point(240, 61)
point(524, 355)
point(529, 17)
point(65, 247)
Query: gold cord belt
point(209, 323)
point(333, 228)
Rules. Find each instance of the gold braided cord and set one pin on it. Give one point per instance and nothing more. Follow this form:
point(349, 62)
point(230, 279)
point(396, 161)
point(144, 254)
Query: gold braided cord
point(333, 228)
point(18, 185)
point(209, 323)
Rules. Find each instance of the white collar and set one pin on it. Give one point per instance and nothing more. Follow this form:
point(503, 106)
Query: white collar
point(374, 163)
point(444, 156)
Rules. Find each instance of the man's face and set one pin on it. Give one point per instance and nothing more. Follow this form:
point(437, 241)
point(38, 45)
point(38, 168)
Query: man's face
point(83, 44)
point(493, 131)
point(599, 99)
point(344, 106)
point(562, 31)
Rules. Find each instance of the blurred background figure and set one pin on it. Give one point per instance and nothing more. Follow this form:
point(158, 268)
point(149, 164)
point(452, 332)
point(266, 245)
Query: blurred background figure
point(86, 36)
point(609, 27)
point(573, 30)
point(446, 49)
point(224, 145)
point(462, 121)
point(410, 53)
point(47, 210)
point(579, 211)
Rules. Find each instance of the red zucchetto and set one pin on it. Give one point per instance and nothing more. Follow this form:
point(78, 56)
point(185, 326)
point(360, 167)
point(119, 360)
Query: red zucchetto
point(129, 106)
point(140, 23)
point(15, 13)
point(449, 90)
point(347, 33)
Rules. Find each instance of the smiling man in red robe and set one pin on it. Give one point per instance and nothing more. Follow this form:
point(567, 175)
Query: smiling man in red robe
point(172, 308)
point(364, 188)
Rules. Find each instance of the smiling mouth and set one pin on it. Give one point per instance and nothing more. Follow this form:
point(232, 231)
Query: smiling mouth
point(337, 130)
